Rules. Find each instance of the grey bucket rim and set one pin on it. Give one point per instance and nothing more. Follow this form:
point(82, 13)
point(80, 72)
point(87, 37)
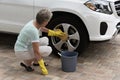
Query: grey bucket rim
point(76, 54)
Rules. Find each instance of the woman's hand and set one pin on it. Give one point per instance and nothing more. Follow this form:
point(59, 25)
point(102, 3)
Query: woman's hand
point(42, 67)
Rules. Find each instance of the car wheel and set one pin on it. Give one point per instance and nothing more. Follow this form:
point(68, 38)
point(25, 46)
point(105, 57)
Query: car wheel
point(77, 35)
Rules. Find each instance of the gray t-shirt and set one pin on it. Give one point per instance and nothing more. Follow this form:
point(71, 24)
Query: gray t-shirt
point(27, 35)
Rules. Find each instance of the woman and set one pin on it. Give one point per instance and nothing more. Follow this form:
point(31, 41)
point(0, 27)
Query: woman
point(29, 47)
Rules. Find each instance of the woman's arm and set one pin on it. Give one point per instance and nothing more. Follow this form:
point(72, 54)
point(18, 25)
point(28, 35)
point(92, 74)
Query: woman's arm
point(56, 32)
point(35, 46)
point(44, 29)
point(39, 58)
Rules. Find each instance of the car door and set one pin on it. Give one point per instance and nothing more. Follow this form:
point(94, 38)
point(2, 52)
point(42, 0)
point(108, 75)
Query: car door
point(14, 14)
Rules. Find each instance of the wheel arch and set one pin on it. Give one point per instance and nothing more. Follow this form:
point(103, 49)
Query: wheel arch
point(59, 16)
point(60, 13)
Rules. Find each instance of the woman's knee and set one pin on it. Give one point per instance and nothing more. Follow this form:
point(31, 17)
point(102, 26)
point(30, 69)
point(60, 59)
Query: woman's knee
point(45, 50)
point(44, 41)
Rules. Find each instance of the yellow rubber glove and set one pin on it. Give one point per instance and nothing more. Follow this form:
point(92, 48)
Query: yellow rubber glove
point(42, 67)
point(56, 32)
point(64, 37)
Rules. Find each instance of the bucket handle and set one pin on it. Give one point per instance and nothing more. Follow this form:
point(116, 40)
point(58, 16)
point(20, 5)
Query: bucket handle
point(59, 54)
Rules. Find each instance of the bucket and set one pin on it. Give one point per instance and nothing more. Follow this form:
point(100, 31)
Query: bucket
point(69, 61)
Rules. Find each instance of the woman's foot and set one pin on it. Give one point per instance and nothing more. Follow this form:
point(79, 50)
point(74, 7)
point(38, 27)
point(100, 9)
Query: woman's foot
point(28, 68)
point(35, 64)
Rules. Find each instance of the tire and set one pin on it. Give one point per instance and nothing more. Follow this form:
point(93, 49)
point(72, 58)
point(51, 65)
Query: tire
point(77, 34)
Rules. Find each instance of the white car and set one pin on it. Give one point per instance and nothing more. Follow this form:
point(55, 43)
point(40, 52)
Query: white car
point(83, 20)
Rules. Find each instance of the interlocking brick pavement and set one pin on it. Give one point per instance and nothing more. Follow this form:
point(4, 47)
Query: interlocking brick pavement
point(101, 61)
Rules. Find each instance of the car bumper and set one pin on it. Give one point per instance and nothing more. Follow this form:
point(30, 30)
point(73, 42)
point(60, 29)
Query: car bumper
point(93, 23)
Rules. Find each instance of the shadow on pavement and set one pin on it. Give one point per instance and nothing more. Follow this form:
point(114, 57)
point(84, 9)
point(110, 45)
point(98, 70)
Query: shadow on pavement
point(8, 39)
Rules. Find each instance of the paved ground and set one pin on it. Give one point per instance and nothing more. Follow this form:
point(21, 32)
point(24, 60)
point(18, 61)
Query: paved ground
point(101, 61)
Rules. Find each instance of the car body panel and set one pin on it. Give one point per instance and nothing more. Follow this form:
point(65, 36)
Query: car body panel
point(20, 12)
point(14, 14)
